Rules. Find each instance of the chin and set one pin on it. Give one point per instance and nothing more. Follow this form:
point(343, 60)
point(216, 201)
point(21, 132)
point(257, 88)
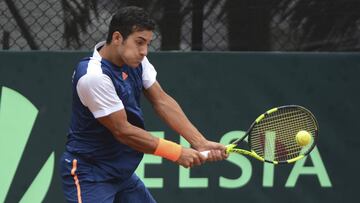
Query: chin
point(134, 65)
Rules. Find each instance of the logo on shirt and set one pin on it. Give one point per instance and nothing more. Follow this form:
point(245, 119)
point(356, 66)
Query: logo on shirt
point(124, 75)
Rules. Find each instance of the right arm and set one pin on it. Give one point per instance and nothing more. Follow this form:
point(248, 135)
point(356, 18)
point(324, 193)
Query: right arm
point(142, 140)
point(128, 134)
point(97, 92)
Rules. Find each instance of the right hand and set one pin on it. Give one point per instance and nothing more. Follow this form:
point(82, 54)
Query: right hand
point(190, 157)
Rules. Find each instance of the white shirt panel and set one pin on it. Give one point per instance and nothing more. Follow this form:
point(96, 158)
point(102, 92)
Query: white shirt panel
point(97, 92)
point(149, 73)
point(96, 54)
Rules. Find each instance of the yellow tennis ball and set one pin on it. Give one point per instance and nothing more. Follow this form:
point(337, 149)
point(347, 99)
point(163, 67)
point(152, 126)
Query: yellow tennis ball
point(303, 138)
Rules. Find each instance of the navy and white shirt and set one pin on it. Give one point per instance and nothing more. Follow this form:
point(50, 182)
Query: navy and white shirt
point(99, 89)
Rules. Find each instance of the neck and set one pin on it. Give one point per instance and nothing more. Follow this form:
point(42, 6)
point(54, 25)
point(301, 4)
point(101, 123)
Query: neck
point(107, 52)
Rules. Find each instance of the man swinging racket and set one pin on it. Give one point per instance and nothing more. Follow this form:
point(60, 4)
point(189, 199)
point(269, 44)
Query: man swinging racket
point(106, 139)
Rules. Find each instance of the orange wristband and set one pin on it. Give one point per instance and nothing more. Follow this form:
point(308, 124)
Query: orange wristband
point(169, 150)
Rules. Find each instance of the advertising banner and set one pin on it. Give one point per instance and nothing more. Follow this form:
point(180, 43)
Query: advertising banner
point(222, 94)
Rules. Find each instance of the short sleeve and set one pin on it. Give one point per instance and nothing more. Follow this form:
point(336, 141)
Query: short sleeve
point(149, 73)
point(97, 92)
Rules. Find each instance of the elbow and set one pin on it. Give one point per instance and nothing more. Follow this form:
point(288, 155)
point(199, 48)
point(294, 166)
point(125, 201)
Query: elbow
point(121, 132)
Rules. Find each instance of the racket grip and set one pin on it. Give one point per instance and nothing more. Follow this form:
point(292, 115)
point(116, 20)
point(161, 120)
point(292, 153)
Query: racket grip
point(205, 153)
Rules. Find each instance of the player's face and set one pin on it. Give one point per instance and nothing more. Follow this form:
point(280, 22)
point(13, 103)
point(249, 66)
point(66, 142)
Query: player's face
point(135, 47)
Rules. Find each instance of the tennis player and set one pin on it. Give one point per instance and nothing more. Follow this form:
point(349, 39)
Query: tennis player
point(106, 139)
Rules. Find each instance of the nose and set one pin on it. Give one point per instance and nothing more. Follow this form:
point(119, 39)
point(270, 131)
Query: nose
point(144, 51)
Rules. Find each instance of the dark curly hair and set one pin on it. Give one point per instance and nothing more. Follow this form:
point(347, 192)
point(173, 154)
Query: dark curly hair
point(128, 20)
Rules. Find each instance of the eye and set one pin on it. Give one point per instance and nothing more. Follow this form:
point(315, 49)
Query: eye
point(140, 42)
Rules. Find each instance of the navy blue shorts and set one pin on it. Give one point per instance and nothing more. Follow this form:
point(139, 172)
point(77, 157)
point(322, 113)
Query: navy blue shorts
point(78, 187)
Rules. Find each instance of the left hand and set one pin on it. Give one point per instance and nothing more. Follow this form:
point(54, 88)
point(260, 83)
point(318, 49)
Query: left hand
point(217, 150)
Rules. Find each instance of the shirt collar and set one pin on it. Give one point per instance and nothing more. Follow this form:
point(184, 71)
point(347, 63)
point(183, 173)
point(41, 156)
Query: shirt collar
point(96, 54)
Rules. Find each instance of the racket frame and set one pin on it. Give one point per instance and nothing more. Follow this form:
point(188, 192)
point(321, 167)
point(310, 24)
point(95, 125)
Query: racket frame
point(233, 146)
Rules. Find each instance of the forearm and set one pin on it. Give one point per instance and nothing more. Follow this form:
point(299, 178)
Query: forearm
point(170, 111)
point(137, 138)
point(141, 141)
point(129, 134)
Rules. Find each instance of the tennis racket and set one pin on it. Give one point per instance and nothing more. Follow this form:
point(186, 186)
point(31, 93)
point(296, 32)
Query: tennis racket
point(272, 137)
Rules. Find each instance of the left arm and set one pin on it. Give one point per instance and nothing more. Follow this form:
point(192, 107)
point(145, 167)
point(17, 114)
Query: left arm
point(170, 111)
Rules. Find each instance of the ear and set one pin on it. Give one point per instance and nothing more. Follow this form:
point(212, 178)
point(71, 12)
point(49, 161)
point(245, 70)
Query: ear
point(117, 38)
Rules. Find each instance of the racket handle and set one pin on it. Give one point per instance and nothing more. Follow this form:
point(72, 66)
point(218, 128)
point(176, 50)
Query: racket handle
point(205, 153)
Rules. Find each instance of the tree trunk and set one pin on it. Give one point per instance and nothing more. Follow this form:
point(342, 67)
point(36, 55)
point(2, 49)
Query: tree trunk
point(22, 25)
point(248, 25)
point(197, 24)
point(170, 25)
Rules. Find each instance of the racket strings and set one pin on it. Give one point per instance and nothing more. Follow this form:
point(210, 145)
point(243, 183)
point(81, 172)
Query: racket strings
point(290, 127)
point(288, 147)
point(289, 131)
point(274, 137)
